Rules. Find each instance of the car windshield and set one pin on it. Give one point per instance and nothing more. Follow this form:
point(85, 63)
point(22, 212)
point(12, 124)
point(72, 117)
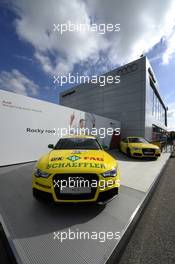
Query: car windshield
point(78, 143)
point(137, 140)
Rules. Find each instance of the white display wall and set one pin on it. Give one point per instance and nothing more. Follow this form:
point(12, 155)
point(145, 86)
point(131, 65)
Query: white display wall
point(28, 125)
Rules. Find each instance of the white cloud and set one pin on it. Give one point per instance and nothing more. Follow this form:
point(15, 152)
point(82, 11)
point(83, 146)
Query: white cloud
point(25, 58)
point(57, 53)
point(143, 24)
point(17, 82)
point(170, 50)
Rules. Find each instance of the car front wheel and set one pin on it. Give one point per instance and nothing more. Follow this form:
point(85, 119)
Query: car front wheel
point(128, 152)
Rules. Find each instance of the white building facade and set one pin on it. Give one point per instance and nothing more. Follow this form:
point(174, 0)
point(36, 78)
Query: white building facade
point(135, 101)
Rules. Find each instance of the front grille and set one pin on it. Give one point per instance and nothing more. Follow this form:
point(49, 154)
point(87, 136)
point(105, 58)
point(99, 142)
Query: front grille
point(67, 196)
point(148, 151)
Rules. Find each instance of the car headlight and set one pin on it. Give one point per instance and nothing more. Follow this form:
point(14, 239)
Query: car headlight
point(40, 173)
point(110, 173)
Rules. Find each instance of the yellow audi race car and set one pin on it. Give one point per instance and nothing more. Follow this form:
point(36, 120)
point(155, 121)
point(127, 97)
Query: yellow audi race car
point(76, 170)
point(139, 147)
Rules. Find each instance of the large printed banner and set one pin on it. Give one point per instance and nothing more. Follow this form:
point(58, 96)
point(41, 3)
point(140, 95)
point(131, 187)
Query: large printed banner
point(28, 125)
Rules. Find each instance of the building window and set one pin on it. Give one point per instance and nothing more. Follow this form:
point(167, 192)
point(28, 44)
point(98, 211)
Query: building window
point(158, 110)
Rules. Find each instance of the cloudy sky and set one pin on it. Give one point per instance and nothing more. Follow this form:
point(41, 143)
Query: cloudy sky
point(31, 52)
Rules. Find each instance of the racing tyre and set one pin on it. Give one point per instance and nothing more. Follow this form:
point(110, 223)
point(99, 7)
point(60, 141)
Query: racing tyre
point(36, 194)
point(129, 152)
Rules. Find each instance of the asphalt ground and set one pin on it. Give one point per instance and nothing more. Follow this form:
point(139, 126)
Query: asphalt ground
point(153, 240)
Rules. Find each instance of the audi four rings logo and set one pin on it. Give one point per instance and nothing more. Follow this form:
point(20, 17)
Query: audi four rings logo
point(127, 69)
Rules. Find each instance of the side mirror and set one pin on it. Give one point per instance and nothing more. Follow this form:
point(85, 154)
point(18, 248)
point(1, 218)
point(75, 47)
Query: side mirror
point(51, 146)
